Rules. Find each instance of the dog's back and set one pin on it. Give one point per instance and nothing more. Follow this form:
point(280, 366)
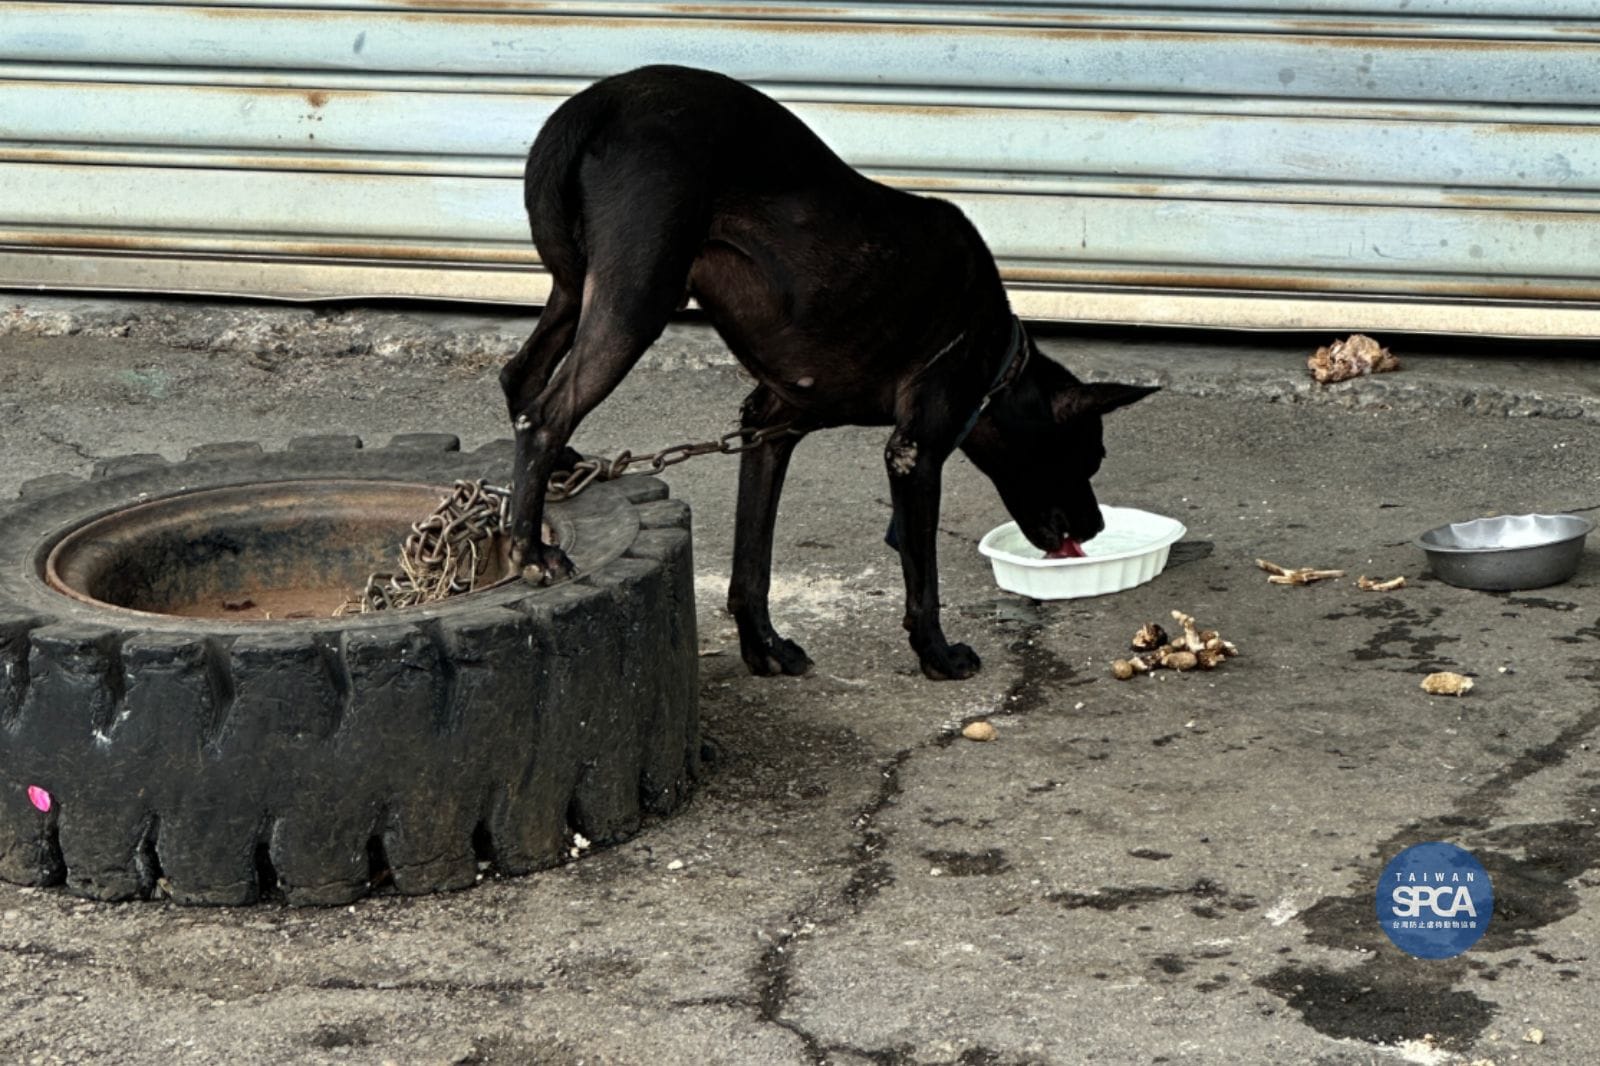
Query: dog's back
point(716, 143)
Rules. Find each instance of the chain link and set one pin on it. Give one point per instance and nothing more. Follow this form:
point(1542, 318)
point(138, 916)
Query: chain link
point(448, 552)
point(588, 471)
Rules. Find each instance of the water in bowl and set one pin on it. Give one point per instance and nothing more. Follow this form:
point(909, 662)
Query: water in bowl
point(1109, 542)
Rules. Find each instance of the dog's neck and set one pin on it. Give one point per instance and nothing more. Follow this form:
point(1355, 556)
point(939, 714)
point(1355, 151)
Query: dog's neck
point(1012, 364)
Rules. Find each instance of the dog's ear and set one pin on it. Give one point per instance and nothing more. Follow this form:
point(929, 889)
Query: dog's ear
point(1098, 398)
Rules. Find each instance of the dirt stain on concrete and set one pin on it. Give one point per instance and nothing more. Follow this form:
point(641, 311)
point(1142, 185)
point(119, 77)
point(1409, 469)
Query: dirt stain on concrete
point(1388, 998)
point(984, 863)
point(1399, 640)
point(1133, 897)
point(1382, 1001)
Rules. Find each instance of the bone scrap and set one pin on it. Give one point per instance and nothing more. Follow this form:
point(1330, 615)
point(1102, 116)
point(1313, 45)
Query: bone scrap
point(1197, 648)
point(1446, 683)
point(1303, 575)
point(1353, 357)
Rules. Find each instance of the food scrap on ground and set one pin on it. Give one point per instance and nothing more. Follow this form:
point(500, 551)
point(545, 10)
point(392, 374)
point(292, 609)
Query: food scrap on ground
point(1446, 684)
point(978, 731)
point(1367, 584)
point(1303, 575)
point(1150, 637)
point(1195, 649)
point(1352, 357)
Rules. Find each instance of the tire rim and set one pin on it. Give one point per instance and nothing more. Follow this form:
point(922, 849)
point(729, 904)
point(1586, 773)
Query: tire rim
point(261, 553)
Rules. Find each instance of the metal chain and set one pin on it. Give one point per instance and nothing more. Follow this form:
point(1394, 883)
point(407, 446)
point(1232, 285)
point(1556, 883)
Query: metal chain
point(444, 554)
point(448, 552)
point(585, 473)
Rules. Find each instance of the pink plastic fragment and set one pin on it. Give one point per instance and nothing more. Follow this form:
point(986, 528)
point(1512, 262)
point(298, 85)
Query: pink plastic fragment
point(39, 797)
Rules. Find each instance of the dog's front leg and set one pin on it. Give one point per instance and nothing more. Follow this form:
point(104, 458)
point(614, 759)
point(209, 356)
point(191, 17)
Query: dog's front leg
point(915, 474)
point(761, 474)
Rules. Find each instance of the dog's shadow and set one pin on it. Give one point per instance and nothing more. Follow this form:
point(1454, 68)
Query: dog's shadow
point(1189, 551)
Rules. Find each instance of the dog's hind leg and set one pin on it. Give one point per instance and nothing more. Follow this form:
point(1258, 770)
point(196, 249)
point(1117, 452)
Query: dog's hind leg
point(624, 308)
point(527, 373)
point(606, 347)
point(645, 212)
point(761, 474)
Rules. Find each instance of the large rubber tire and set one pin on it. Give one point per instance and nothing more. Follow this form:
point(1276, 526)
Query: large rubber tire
point(220, 762)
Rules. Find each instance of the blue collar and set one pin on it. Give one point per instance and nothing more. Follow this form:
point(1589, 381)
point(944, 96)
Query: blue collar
point(1010, 367)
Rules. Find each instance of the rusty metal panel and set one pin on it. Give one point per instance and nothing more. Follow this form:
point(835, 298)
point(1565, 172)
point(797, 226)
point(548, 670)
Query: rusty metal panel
point(1366, 153)
point(1412, 158)
point(1378, 18)
point(1149, 56)
point(1156, 240)
point(291, 279)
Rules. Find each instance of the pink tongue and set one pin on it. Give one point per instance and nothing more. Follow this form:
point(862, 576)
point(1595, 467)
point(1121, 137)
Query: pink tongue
point(1070, 549)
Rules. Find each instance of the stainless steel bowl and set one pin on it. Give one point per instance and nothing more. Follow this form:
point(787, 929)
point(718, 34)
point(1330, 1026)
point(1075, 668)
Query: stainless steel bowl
point(1525, 551)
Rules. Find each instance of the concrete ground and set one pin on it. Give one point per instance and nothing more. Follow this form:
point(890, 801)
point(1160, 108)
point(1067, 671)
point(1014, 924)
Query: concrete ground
point(1177, 868)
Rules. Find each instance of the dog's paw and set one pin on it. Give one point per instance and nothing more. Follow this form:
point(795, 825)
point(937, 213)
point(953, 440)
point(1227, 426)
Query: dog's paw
point(775, 657)
point(952, 662)
point(548, 565)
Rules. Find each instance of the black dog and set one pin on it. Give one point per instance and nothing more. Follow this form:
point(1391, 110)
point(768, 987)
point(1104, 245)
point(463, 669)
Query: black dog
point(852, 304)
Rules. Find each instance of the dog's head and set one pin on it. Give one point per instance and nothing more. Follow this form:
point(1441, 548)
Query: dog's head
point(1040, 441)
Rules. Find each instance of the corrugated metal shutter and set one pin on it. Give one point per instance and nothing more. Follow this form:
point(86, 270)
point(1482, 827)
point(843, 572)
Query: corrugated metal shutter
point(1428, 164)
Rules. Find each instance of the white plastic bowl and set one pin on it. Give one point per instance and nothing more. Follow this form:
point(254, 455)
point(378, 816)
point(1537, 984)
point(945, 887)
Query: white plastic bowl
point(1131, 550)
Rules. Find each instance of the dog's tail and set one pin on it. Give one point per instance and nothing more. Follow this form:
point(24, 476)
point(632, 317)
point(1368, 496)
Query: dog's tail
point(551, 190)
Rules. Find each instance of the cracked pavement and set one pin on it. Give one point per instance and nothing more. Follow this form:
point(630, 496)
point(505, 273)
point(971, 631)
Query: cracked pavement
point(1176, 868)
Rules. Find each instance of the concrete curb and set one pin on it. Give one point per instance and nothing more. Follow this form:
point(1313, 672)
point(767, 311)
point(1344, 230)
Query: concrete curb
point(276, 332)
point(1513, 381)
point(1519, 380)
